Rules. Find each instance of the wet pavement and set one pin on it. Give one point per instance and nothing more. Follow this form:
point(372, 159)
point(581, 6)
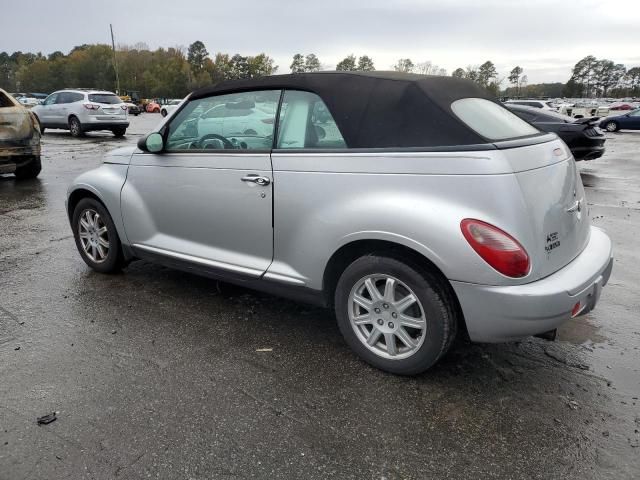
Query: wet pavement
point(156, 373)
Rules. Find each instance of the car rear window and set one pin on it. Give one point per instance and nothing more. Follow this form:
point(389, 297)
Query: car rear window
point(491, 120)
point(104, 98)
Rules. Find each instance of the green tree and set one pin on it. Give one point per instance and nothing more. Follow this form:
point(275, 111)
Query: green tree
point(239, 67)
point(219, 69)
point(486, 73)
point(458, 73)
point(365, 64)
point(261, 65)
point(404, 65)
point(471, 73)
point(347, 64)
point(583, 74)
point(311, 63)
point(607, 75)
point(514, 78)
point(297, 65)
point(632, 78)
point(196, 55)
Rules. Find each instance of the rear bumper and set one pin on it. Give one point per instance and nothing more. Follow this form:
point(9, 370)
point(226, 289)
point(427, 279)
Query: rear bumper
point(501, 314)
point(9, 152)
point(588, 153)
point(94, 123)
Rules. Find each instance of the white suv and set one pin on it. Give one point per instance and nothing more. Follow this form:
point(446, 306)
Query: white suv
point(541, 104)
point(83, 110)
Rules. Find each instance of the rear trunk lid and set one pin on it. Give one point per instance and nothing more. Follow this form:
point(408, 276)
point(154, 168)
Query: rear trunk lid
point(554, 204)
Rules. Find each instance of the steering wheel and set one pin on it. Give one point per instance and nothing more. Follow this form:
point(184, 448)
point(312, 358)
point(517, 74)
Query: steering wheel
point(200, 143)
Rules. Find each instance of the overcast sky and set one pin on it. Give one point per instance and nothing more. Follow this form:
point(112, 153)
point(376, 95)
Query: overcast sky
point(545, 37)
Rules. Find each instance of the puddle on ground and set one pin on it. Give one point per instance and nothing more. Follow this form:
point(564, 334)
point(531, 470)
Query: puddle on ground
point(580, 331)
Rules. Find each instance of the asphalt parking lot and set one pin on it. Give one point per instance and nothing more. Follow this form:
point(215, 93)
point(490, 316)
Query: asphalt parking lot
point(157, 373)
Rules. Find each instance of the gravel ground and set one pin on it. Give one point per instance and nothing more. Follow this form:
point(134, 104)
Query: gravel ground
point(156, 373)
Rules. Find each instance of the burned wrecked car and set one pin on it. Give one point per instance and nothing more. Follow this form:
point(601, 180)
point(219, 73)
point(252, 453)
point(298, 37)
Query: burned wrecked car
point(414, 207)
point(19, 139)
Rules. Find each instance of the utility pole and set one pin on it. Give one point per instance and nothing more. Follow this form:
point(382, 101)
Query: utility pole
point(115, 61)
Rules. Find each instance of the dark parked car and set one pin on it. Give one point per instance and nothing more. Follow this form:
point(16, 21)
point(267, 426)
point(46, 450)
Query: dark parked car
point(628, 121)
point(133, 109)
point(582, 135)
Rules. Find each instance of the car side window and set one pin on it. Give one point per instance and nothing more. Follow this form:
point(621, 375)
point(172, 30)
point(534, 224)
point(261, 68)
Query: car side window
point(51, 99)
point(236, 121)
point(306, 122)
point(635, 113)
point(63, 98)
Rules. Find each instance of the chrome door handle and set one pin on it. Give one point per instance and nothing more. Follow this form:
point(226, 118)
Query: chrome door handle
point(257, 179)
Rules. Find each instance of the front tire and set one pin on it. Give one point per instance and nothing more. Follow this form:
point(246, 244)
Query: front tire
point(30, 170)
point(395, 317)
point(96, 236)
point(163, 113)
point(75, 127)
point(611, 126)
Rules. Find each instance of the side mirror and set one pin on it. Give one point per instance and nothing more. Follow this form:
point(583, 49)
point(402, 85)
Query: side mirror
point(152, 143)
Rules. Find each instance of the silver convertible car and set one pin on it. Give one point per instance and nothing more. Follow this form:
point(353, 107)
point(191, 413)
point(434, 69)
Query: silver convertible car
point(415, 207)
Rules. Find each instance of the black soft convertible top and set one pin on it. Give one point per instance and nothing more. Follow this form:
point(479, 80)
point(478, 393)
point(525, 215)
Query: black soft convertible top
point(380, 109)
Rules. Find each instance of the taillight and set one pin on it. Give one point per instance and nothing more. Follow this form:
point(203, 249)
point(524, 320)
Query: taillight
point(499, 249)
point(91, 106)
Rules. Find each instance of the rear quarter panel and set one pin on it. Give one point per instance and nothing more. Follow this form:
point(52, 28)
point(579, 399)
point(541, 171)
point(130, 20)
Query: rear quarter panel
point(326, 200)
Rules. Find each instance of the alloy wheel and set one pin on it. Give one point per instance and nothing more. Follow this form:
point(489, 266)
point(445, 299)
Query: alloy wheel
point(387, 316)
point(74, 127)
point(94, 236)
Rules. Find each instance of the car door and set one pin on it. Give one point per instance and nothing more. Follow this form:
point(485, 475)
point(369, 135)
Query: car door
point(633, 120)
point(206, 199)
point(45, 111)
point(59, 110)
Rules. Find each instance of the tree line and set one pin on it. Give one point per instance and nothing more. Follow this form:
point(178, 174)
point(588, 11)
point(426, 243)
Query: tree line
point(169, 73)
point(174, 72)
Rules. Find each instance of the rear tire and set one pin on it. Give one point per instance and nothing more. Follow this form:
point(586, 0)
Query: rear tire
point(31, 170)
point(75, 127)
point(428, 322)
point(96, 236)
point(611, 126)
point(119, 132)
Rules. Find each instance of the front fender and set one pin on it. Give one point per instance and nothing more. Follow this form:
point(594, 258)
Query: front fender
point(105, 183)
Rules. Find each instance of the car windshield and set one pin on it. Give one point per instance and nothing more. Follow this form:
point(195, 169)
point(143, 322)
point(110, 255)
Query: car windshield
point(108, 98)
point(492, 121)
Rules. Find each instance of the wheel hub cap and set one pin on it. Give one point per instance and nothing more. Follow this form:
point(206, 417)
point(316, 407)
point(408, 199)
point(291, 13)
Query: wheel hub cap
point(387, 316)
point(94, 237)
